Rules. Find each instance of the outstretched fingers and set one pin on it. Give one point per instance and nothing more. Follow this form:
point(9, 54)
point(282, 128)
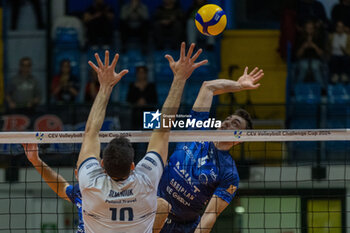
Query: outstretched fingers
point(106, 58)
point(190, 51)
point(99, 62)
point(198, 64)
point(123, 72)
point(182, 51)
point(169, 58)
point(255, 86)
point(246, 70)
point(93, 66)
point(196, 55)
point(258, 77)
point(120, 75)
point(253, 72)
point(115, 60)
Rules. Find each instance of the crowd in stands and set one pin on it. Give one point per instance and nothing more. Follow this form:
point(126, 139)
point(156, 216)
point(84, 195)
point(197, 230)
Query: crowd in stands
point(132, 27)
point(164, 28)
point(319, 46)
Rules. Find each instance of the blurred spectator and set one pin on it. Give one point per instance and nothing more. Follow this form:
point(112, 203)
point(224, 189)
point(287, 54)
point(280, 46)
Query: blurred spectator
point(341, 12)
point(98, 20)
point(134, 23)
point(193, 35)
point(288, 28)
point(64, 86)
point(339, 45)
point(16, 5)
point(23, 93)
point(311, 10)
point(310, 47)
point(91, 87)
point(142, 95)
point(168, 25)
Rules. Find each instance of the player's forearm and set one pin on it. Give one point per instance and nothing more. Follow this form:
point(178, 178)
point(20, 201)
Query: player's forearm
point(212, 88)
point(55, 181)
point(207, 222)
point(98, 111)
point(172, 102)
point(221, 86)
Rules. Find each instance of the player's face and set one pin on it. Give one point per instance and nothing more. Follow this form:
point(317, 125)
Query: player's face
point(233, 122)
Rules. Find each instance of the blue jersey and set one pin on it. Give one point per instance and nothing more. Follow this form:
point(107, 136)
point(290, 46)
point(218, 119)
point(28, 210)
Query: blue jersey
point(74, 195)
point(196, 171)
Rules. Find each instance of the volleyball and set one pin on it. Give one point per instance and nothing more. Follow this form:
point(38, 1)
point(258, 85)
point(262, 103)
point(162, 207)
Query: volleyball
point(210, 20)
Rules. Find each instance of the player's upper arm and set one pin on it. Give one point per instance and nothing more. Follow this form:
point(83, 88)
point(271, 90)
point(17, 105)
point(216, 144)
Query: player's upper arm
point(204, 99)
point(89, 148)
point(152, 166)
point(159, 143)
point(88, 170)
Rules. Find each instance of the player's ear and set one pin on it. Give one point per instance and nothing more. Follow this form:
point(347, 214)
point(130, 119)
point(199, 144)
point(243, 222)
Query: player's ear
point(102, 163)
point(132, 166)
point(76, 173)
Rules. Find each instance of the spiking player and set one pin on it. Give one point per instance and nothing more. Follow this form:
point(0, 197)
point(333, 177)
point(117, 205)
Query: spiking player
point(55, 181)
point(204, 173)
point(117, 196)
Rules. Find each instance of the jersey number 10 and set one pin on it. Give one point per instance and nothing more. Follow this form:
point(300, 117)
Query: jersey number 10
point(122, 214)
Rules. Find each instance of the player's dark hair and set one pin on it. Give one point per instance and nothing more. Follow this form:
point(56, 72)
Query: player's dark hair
point(246, 116)
point(118, 157)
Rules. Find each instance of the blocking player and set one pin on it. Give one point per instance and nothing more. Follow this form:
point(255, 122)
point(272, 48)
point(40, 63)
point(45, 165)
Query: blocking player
point(202, 174)
point(72, 193)
point(117, 196)
point(56, 182)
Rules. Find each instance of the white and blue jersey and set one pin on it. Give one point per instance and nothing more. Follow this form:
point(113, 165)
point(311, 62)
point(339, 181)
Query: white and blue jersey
point(74, 195)
point(195, 172)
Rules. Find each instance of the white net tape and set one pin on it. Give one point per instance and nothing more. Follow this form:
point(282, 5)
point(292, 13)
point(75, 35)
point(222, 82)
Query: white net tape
point(183, 136)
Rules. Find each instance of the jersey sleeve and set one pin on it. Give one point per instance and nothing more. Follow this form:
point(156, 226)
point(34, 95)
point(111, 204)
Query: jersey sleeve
point(88, 170)
point(152, 166)
point(228, 185)
point(70, 193)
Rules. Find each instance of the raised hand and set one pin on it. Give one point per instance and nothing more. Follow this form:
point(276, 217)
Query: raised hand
point(184, 67)
point(32, 152)
point(106, 74)
point(250, 81)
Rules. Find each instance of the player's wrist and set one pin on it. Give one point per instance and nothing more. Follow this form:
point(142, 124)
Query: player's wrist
point(179, 78)
point(107, 89)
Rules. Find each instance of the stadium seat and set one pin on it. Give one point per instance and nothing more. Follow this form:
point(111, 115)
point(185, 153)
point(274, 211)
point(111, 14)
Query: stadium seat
point(66, 37)
point(307, 93)
point(338, 94)
point(337, 150)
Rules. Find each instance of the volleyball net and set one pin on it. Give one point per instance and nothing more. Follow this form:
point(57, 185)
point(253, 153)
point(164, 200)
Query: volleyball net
point(291, 181)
